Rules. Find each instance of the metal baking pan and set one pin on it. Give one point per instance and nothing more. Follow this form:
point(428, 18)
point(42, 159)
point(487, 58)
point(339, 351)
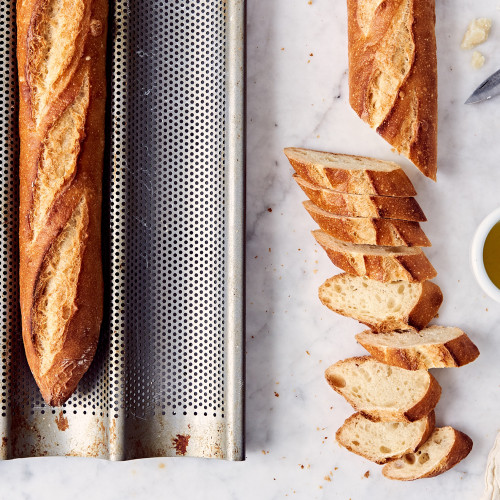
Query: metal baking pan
point(168, 377)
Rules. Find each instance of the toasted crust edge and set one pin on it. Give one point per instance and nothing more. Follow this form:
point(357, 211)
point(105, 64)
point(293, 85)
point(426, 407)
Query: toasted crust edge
point(387, 232)
point(364, 181)
point(453, 354)
point(385, 268)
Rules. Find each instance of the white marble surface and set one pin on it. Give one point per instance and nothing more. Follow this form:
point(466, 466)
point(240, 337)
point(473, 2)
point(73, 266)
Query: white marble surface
point(297, 95)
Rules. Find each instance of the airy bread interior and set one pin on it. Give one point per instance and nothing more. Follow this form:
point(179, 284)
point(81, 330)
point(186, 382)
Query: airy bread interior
point(59, 157)
point(335, 160)
point(335, 244)
point(55, 293)
point(411, 337)
point(372, 385)
point(368, 299)
point(380, 441)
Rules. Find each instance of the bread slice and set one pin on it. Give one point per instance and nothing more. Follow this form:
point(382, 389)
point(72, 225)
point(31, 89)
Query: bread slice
point(369, 230)
point(382, 392)
point(382, 306)
point(350, 174)
point(433, 347)
point(380, 263)
point(383, 441)
point(442, 451)
point(361, 205)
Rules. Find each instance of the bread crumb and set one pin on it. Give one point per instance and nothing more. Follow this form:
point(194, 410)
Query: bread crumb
point(327, 478)
point(367, 474)
point(276, 394)
point(477, 60)
point(311, 54)
point(269, 209)
point(477, 33)
point(301, 466)
point(308, 353)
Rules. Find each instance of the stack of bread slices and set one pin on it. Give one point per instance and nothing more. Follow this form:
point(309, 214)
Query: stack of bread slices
point(370, 228)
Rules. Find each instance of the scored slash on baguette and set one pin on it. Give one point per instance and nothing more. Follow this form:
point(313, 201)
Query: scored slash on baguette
point(350, 174)
point(444, 449)
point(382, 306)
point(383, 392)
point(381, 263)
point(380, 442)
point(362, 205)
point(433, 347)
point(369, 230)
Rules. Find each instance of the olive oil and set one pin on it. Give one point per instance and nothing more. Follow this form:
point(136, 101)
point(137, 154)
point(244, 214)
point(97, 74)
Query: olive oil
point(491, 254)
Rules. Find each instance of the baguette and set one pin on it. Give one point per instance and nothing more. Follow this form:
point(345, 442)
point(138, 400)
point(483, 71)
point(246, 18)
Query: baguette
point(381, 442)
point(361, 205)
point(433, 347)
point(350, 174)
point(443, 450)
point(377, 262)
point(384, 393)
point(369, 231)
point(61, 65)
point(393, 74)
point(382, 306)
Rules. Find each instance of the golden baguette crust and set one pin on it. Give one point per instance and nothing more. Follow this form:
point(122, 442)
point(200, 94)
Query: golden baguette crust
point(61, 66)
point(458, 351)
point(460, 447)
point(420, 409)
point(380, 263)
point(389, 182)
point(344, 438)
point(368, 230)
point(393, 74)
point(362, 205)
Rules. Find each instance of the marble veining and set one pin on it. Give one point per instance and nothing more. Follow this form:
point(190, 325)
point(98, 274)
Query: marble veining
point(297, 95)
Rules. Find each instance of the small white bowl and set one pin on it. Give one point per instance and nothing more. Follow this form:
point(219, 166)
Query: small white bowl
point(476, 255)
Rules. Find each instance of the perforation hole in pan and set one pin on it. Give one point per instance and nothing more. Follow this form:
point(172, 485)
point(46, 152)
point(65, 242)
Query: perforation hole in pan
point(165, 343)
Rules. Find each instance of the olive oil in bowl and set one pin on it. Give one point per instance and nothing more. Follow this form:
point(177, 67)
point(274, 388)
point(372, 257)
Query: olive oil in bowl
point(491, 255)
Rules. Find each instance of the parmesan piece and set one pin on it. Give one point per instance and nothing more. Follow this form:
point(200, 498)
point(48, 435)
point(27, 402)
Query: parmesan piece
point(477, 60)
point(477, 33)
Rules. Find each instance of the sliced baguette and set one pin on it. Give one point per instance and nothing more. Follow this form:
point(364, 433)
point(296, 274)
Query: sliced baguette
point(382, 392)
point(433, 347)
point(383, 441)
point(361, 205)
point(382, 306)
point(380, 263)
point(350, 174)
point(442, 451)
point(369, 230)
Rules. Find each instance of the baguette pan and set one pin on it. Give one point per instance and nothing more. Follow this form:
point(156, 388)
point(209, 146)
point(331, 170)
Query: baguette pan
point(384, 393)
point(377, 262)
point(381, 442)
point(433, 347)
point(445, 448)
point(382, 306)
point(362, 205)
point(393, 74)
point(350, 174)
point(369, 231)
point(61, 63)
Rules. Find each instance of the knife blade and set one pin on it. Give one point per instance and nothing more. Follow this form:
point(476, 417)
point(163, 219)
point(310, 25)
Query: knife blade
point(488, 89)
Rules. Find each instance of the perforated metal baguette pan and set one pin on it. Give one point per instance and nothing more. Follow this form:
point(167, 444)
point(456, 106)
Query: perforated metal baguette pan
point(168, 377)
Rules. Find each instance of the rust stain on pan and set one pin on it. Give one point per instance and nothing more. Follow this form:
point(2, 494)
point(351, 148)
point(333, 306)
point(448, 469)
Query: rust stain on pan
point(62, 422)
point(180, 443)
